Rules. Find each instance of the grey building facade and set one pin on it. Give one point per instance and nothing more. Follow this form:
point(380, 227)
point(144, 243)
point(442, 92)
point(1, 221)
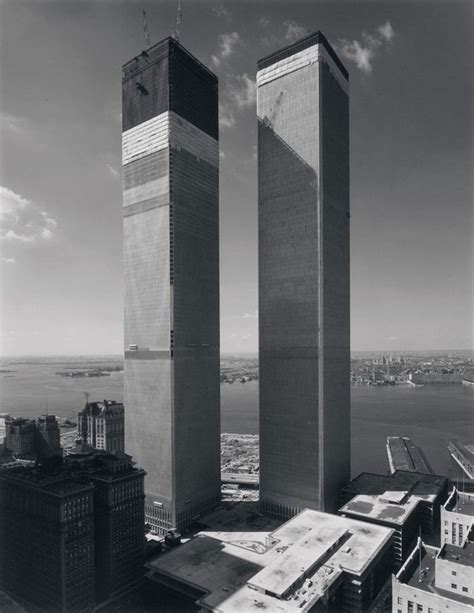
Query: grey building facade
point(171, 261)
point(303, 203)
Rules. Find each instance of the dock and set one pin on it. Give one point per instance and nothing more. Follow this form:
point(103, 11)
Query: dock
point(403, 454)
point(463, 455)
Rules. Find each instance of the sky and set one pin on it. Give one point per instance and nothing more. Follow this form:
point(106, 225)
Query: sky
point(411, 134)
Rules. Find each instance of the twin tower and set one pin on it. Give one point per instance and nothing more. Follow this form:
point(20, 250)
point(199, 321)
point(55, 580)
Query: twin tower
point(171, 261)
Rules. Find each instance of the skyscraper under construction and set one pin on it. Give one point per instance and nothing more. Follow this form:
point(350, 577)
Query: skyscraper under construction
point(303, 181)
point(171, 260)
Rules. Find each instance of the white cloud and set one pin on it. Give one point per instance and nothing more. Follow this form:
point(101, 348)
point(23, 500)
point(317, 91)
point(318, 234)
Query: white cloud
point(226, 116)
point(264, 22)
point(242, 91)
point(227, 43)
point(8, 260)
point(22, 220)
point(221, 11)
point(363, 53)
point(386, 31)
point(222, 155)
point(294, 31)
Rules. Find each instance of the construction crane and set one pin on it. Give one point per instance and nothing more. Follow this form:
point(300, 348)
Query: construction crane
point(179, 14)
point(145, 30)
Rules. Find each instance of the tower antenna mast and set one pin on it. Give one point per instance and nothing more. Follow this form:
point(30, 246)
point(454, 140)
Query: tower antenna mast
point(179, 14)
point(145, 30)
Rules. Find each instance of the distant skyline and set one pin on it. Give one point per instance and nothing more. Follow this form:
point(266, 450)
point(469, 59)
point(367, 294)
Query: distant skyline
point(410, 66)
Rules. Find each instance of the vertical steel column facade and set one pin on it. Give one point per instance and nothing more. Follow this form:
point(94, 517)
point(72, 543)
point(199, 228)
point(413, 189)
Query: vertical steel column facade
point(171, 262)
point(304, 308)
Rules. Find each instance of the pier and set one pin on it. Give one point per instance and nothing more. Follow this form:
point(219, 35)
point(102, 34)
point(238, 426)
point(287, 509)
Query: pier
point(403, 454)
point(463, 455)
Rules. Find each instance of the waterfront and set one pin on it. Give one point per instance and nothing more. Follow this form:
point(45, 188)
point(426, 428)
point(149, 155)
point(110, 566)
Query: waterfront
point(431, 415)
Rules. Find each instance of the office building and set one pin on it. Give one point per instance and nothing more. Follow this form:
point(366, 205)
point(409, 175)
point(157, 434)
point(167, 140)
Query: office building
point(435, 580)
point(72, 531)
point(457, 518)
point(303, 217)
point(4, 417)
point(32, 440)
point(119, 518)
point(21, 437)
point(429, 492)
point(48, 429)
point(313, 562)
point(47, 536)
point(170, 156)
point(101, 425)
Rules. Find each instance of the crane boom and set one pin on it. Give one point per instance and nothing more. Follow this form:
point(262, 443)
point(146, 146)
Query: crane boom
point(179, 14)
point(145, 30)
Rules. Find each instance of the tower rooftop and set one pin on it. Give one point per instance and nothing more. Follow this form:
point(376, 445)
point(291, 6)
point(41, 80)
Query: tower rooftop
point(316, 38)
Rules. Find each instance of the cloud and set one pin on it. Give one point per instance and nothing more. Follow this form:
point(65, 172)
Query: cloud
point(239, 93)
point(227, 44)
point(221, 11)
point(264, 22)
point(8, 260)
point(242, 90)
point(226, 116)
point(363, 53)
point(294, 31)
point(386, 31)
point(22, 220)
point(222, 155)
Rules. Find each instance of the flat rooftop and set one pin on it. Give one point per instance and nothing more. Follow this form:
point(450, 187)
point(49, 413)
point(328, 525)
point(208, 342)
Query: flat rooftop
point(424, 486)
point(461, 555)
point(460, 502)
point(240, 552)
point(392, 507)
point(406, 455)
point(422, 576)
point(315, 38)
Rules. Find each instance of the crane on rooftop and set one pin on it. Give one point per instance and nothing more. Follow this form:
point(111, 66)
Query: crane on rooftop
point(145, 30)
point(179, 14)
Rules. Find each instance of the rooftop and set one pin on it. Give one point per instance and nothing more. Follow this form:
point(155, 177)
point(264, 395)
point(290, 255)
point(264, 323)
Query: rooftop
point(460, 502)
point(241, 551)
point(419, 572)
point(461, 555)
point(423, 486)
point(155, 51)
point(316, 38)
point(391, 507)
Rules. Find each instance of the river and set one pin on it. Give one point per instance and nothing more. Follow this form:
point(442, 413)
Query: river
point(430, 415)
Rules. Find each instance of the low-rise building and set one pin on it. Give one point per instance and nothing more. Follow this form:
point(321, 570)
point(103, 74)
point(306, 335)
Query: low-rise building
point(429, 492)
point(101, 424)
point(313, 562)
point(395, 510)
point(457, 518)
point(435, 580)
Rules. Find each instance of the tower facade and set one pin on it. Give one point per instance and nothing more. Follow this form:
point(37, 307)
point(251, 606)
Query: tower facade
point(171, 261)
point(303, 202)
